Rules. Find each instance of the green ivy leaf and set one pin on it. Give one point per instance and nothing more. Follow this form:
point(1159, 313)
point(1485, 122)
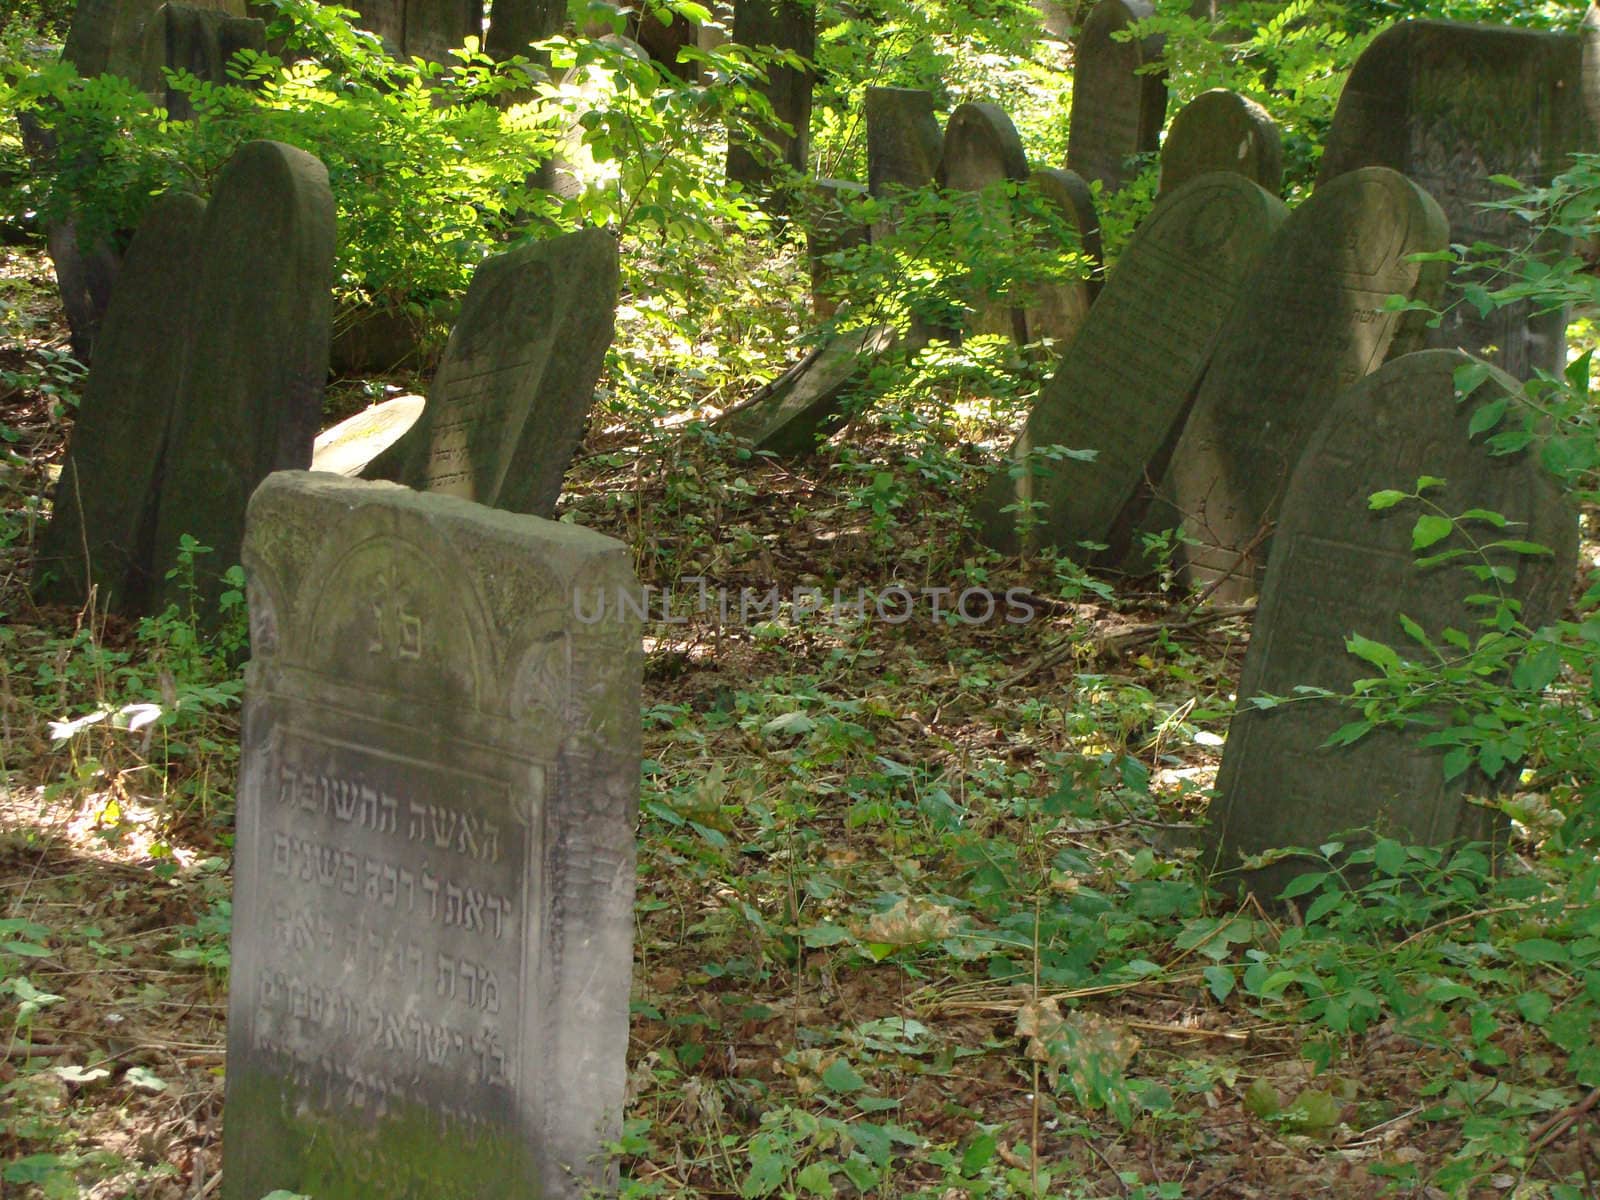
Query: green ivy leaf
point(1430, 529)
point(1387, 498)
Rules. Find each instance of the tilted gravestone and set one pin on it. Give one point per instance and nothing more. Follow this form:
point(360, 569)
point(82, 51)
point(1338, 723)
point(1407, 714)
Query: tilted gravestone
point(1059, 309)
point(434, 873)
point(105, 498)
point(983, 160)
point(1310, 323)
point(1123, 385)
point(804, 405)
point(786, 25)
point(1341, 569)
point(349, 446)
point(508, 404)
point(250, 399)
point(904, 145)
point(201, 41)
point(1452, 105)
point(1221, 130)
point(1116, 111)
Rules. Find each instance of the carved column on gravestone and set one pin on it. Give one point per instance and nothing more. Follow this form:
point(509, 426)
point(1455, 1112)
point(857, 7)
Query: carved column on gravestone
point(983, 161)
point(1310, 323)
point(1222, 131)
point(1117, 111)
point(1452, 105)
point(787, 25)
point(1340, 569)
point(904, 145)
point(1123, 386)
point(1060, 309)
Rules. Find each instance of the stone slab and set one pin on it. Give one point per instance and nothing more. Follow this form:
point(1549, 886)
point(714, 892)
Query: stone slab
point(434, 871)
point(508, 404)
point(1340, 569)
point(1221, 130)
point(1123, 385)
point(350, 445)
point(904, 145)
point(250, 400)
point(201, 41)
point(830, 229)
point(1060, 309)
point(1451, 105)
point(1116, 112)
point(107, 36)
point(105, 498)
point(1309, 324)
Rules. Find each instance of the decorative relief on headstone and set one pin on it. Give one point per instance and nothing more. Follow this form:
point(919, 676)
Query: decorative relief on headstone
point(904, 145)
point(434, 874)
point(250, 399)
point(1309, 324)
point(507, 407)
point(1340, 569)
point(1124, 384)
point(105, 498)
point(1117, 112)
point(804, 405)
point(787, 25)
point(1059, 309)
point(1452, 105)
point(1222, 131)
point(983, 159)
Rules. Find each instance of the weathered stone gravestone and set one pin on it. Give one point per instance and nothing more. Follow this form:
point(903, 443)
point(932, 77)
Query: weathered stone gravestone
point(803, 406)
point(1222, 131)
point(904, 145)
point(1309, 323)
point(1451, 106)
point(831, 228)
point(434, 874)
point(105, 498)
point(201, 41)
point(1116, 112)
point(1341, 569)
point(349, 446)
point(430, 29)
point(983, 158)
point(108, 36)
point(250, 399)
point(786, 25)
point(516, 24)
point(663, 39)
point(1124, 383)
point(507, 407)
point(1059, 309)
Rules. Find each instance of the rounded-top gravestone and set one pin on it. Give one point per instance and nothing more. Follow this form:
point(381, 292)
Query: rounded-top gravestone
point(983, 158)
point(1059, 309)
point(1222, 131)
point(1117, 107)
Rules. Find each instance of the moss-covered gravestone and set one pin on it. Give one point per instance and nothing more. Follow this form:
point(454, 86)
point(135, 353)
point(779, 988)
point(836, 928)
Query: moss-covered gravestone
point(1341, 569)
point(904, 145)
point(250, 400)
point(1451, 106)
point(108, 36)
point(1123, 385)
point(1117, 110)
point(1221, 130)
point(983, 162)
point(1310, 322)
point(434, 871)
point(104, 507)
point(787, 25)
point(831, 229)
point(508, 404)
point(201, 41)
point(1059, 309)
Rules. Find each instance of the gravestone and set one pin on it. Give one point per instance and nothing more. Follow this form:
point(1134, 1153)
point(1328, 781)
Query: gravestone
point(515, 24)
point(507, 407)
point(1222, 131)
point(201, 41)
point(1059, 309)
point(983, 158)
point(802, 407)
point(904, 145)
point(1116, 112)
point(106, 495)
point(1452, 105)
point(250, 399)
point(1124, 384)
point(108, 36)
point(349, 446)
point(1341, 569)
point(830, 229)
point(434, 874)
point(663, 39)
point(1309, 324)
point(787, 25)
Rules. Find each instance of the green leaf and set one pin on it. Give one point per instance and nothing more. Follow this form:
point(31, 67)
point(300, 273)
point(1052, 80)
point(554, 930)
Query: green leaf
point(1519, 547)
point(1535, 1007)
point(978, 1154)
point(1301, 884)
point(1487, 416)
point(1456, 762)
point(25, 950)
point(816, 1178)
point(1387, 498)
point(1430, 529)
point(1483, 514)
point(1262, 1098)
point(1540, 950)
point(1389, 856)
point(1220, 980)
point(841, 1077)
point(1538, 668)
point(1381, 656)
